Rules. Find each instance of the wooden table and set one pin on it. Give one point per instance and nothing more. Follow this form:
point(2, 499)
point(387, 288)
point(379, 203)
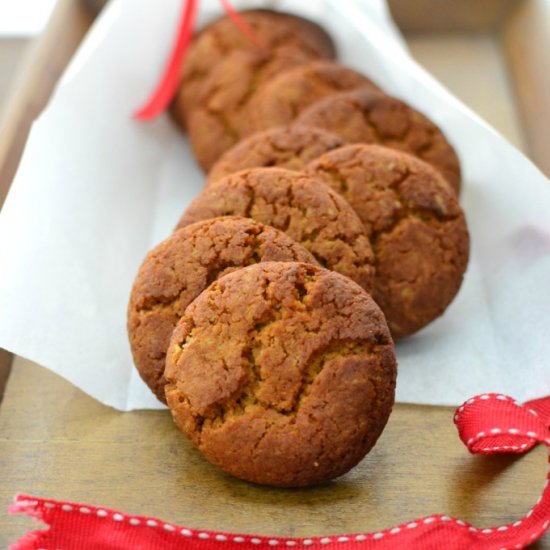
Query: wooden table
point(56, 441)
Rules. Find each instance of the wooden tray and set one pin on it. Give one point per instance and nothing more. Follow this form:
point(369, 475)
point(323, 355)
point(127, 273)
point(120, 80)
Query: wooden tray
point(56, 441)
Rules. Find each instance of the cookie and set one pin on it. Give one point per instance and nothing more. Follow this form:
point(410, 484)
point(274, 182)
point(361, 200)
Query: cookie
point(363, 116)
point(281, 100)
point(217, 121)
point(289, 147)
point(305, 209)
point(180, 268)
point(282, 374)
point(414, 222)
point(276, 31)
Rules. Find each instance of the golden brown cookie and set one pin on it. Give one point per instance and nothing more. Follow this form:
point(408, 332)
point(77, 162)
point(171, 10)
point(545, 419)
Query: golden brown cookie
point(282, 374)
point(215, 123)
point(289, 147)
point(180, 268)
point(278, 33)
point(415, 224)
point(363, 116)
point(301, 206)
point(282, 99)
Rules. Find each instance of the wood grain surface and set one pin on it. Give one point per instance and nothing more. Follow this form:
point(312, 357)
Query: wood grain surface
point(56, 441)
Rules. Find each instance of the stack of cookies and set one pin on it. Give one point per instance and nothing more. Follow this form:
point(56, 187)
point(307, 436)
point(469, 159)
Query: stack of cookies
point(329, 226)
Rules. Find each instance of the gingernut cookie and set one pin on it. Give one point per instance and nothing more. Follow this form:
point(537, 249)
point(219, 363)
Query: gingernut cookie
point(280, 101)
point(180, 268)
point(216, 122)
point(290, 147)
point(364, 116)
point(278, 32)
point(415, 224)
point(304, 208)
point(282, 374)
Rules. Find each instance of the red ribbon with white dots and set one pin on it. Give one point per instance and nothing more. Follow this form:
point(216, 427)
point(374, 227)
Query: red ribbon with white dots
point(487, 424)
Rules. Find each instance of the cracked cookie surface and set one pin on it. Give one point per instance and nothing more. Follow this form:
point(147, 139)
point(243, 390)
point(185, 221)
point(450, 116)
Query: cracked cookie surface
point(282, 374)
point(216, 123)
point(364, 116)
point(175, 272)
point(278, 32)
point(281, 100)
point(415, 224)
point(289, 147)
point(304, 208)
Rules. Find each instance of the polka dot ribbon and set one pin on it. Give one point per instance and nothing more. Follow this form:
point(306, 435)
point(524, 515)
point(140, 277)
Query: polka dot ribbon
point(487, 424)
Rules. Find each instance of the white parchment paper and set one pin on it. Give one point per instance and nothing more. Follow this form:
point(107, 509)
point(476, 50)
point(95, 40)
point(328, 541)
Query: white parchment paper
point(96, 190)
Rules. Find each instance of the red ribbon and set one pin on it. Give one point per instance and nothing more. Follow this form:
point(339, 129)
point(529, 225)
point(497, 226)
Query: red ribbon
point(168, 84)
point(241, 24)
point(487, 424)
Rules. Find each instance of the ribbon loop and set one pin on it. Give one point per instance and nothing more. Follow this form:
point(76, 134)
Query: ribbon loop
point(495, 423)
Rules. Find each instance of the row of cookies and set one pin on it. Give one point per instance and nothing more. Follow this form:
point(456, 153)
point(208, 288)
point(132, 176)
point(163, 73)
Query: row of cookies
point(282, 372)
point(224, 66)
point(233, 88)
point(296, 192)
point(301, 119)
point(279, 371)
point(383, 218)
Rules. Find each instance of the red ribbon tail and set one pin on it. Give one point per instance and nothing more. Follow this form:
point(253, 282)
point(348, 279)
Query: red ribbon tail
point(488, 423)
point(241, 24)
point(168, 84)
